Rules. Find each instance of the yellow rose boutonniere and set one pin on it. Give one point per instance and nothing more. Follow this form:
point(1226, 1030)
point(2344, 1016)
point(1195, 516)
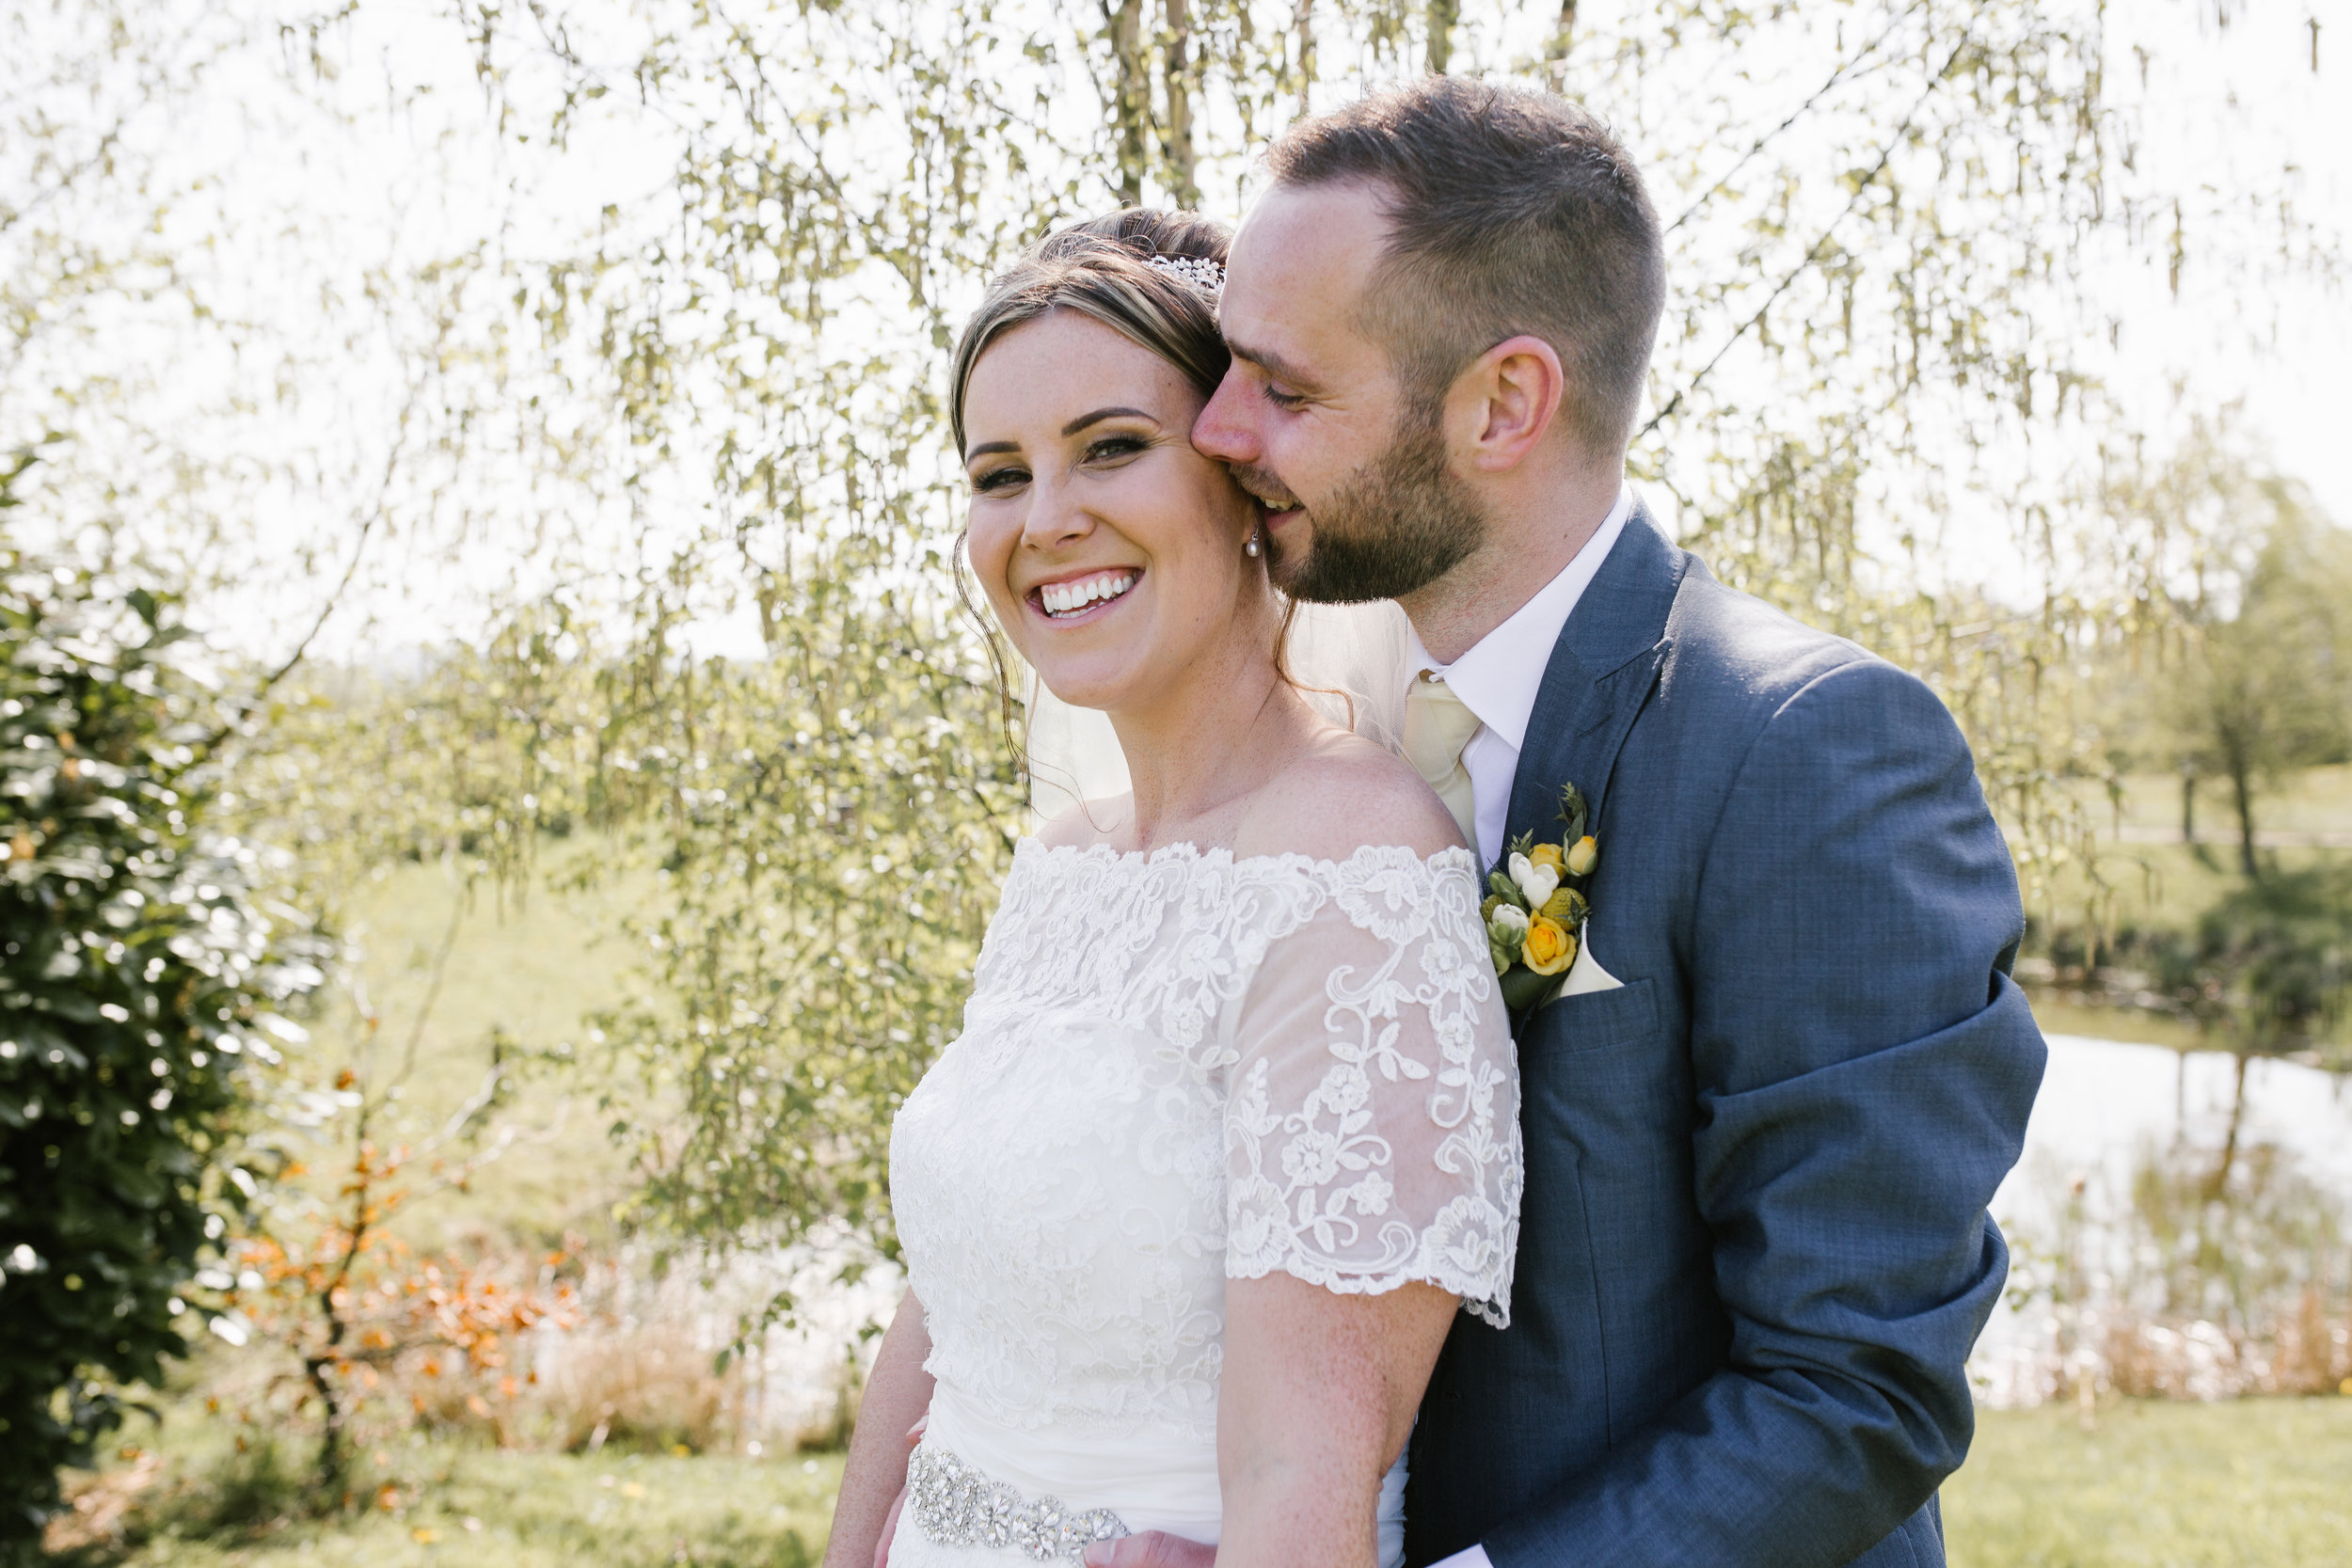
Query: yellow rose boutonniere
point(1536, 906)
point(1549, 948)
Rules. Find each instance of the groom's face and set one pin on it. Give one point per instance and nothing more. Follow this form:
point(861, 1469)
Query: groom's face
point(1360, 500)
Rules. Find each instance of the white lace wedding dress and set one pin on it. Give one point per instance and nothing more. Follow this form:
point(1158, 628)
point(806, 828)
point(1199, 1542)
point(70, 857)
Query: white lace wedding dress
point(1179, 1069)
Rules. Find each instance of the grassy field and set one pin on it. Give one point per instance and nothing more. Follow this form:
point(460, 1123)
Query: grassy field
point(2260, 1484)
point(2315, 801)
point(2159, 881)
point(452, 1507)
point(532, 968)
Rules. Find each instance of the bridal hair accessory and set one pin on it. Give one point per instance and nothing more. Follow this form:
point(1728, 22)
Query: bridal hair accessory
point(955, 1505)
point(1536, 907)
point(1194, 270)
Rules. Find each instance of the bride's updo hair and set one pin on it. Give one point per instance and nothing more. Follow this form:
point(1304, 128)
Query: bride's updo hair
point(1103, 268)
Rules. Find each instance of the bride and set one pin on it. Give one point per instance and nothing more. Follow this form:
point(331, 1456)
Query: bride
point(1231, 1131)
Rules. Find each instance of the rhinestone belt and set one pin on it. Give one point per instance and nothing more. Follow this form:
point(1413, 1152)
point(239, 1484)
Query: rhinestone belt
point(957, 1506)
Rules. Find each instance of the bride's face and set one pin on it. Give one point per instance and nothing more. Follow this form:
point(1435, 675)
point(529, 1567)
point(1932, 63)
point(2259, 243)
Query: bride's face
point(1110, 549)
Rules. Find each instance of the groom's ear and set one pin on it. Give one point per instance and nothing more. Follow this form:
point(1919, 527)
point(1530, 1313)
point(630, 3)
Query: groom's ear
point(1506, 400)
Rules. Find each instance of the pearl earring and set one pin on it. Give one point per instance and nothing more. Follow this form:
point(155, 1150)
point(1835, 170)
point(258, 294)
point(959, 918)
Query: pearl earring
point(1249, 546)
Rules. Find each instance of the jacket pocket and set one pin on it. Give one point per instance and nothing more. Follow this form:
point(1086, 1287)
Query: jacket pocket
point(1591, 1021)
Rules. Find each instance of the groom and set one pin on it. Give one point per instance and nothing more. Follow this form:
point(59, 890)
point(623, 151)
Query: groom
point(1764, 1120)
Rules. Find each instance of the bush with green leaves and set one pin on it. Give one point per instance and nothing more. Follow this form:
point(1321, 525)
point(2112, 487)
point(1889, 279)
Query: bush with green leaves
point(2269, 968)
point(141, 975)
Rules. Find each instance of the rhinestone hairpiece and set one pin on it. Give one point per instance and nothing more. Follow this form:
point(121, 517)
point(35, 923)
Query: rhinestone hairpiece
point(958, 1506)
point(1194, 270)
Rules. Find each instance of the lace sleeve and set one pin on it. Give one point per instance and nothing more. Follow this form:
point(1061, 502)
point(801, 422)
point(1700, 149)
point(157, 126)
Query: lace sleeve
point(1371, 1130)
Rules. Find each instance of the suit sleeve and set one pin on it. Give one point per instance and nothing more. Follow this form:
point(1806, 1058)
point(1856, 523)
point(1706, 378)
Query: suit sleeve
point(1863, 1068)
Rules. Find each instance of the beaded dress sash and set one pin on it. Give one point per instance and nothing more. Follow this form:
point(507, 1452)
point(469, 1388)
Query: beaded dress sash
point(958, 1506)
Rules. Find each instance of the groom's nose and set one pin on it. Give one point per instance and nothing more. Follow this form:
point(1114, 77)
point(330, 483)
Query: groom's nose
point(1225, 430)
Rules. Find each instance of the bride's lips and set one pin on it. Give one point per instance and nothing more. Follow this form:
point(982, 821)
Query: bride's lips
point(1077, 598)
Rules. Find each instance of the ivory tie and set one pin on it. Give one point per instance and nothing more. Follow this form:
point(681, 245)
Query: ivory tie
point(1438, 724)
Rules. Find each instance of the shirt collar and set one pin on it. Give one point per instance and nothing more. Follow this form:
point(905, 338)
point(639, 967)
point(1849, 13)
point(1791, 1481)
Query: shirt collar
point(1498, 675)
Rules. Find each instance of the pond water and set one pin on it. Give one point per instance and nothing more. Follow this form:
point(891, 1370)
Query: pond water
point(2104, 1103)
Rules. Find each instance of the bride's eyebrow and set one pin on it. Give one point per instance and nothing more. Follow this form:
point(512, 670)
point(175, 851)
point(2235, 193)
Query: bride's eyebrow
point(1101, 414)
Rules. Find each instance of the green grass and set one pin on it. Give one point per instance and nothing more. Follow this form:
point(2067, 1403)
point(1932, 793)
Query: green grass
point(532, 967)
point(2170, 883)
point(2141, 880)
point(2318, 799)
point(457, 1506)
point(2256, 1483)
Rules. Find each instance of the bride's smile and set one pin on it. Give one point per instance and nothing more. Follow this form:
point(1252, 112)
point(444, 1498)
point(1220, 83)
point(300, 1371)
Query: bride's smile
point(1075, 598)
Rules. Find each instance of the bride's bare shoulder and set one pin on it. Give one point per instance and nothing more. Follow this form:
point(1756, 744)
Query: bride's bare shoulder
point(1341, 794)
point(1081, 827)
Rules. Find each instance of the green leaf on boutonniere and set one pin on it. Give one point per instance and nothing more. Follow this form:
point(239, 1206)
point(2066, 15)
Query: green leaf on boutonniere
point(1572, 811)
point(1522, 988)
point(1503, 887)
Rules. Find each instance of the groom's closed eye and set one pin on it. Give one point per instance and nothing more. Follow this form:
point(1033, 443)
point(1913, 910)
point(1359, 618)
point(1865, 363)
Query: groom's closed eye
point(1269, 369)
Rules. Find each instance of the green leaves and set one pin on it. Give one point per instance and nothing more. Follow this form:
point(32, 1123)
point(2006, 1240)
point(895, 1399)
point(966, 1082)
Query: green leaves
point(135, 962)
point(836, 830)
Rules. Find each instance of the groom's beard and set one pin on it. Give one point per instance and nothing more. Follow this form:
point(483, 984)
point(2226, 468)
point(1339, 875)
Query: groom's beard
point(1392, 526)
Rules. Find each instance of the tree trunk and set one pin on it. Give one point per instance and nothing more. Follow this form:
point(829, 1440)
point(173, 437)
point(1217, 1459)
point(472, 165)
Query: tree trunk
point(1303, 24)
point(2242, 790)
point(334, 1460)
point(1556, 54)
point(1178, 141)
point(2188, 805)
point(1443, 14)
point(1130, 94)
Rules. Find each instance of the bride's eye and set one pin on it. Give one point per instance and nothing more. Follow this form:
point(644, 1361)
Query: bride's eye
point(1004, 477)
point(1111, 447)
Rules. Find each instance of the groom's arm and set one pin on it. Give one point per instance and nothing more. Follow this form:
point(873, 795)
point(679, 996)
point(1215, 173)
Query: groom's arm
point(1864, 1069)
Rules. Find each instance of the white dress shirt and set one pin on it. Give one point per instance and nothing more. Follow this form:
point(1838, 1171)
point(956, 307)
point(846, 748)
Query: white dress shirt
point(1497, 679)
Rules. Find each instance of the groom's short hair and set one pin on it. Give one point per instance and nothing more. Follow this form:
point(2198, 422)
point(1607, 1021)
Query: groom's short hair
point(1510, 211)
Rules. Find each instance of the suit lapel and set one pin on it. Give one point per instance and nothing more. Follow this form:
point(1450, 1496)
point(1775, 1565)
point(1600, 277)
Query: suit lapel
point(1601, 670)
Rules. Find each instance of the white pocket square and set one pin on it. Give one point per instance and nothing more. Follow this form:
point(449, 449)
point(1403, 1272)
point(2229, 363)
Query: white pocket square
point(1586, 974)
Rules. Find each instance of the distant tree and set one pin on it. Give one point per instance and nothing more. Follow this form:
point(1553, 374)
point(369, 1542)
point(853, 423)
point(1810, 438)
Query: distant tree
point(141, 977)
point(2263, 685)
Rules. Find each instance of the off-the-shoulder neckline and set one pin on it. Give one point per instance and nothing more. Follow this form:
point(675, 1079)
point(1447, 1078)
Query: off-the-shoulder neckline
point(1029, 845)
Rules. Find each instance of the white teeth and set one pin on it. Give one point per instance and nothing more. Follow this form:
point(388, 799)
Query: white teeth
point(1064, 599)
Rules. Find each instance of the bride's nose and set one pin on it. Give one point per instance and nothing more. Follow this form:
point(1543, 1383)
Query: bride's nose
point(1055, 518)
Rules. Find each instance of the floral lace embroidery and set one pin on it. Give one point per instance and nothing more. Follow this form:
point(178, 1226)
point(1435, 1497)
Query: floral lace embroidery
point(1113, 1135)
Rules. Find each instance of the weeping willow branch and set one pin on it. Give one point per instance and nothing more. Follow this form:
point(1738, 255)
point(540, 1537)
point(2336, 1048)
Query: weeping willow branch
point(1821, 248)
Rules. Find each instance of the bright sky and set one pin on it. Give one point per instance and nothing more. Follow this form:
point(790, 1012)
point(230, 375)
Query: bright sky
point(401, 186)
point(2242, 95)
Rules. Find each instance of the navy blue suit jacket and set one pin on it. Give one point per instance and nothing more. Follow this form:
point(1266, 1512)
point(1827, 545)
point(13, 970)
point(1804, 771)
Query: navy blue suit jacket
point(1754, 1251)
